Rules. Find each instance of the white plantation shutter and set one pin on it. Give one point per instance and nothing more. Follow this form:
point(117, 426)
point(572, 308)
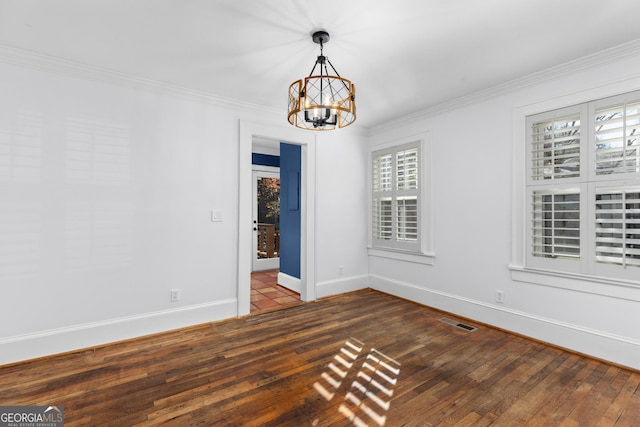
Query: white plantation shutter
point(618, 227)
point(556, 157)
point(407, 215)
point(382, 218)
point(407, 169)
point(382, 173)
point(556, 225)
point(382, 202)
point(407, 200)
point(395, 197)
point(617, 139)
point(555, 148)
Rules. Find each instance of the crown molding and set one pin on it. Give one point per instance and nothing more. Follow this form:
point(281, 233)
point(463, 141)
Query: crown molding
point(42, 62)
point(39, 61)
point(616, 53)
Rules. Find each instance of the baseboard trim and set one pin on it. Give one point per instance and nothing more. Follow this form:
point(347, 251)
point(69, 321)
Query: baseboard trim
point(339, 286)
point(601, 345)
point(63, 340)
point(289, 282)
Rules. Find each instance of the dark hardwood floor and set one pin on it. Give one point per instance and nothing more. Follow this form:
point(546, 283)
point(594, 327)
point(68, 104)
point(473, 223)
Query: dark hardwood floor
point(363, 358)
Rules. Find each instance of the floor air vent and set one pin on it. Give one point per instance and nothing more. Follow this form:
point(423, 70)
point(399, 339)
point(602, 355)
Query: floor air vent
point(458, 324)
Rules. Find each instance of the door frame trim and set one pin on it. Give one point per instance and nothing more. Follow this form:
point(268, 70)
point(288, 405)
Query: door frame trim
point(249, 130)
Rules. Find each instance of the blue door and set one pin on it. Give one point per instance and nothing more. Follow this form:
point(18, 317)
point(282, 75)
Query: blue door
point(290, 172)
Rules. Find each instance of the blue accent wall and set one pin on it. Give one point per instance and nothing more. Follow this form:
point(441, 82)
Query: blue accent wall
point(290, 169)
point(265, 160)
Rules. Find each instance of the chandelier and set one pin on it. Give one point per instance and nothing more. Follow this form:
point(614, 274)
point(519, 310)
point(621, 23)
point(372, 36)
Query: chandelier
point(322, 101)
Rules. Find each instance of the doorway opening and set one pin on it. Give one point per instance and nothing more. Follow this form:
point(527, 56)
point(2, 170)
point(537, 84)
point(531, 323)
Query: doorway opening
point(272, 287)
point(249, 134)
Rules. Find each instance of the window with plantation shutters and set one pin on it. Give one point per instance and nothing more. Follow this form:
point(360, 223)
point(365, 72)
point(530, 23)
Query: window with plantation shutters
point(583, 185)
point(395, 197)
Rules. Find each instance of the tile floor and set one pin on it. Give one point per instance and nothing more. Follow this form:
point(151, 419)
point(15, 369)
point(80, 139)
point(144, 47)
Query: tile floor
point(266, 294)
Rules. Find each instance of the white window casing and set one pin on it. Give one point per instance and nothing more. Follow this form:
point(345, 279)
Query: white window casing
point(400, 220)
point(395, 194)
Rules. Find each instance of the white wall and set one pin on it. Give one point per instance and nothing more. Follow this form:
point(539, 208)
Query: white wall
point(341, 212)
point(474, 142)
point(106, 191)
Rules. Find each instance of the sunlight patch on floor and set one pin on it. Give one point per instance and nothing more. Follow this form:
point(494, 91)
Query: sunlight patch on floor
point(367, 399)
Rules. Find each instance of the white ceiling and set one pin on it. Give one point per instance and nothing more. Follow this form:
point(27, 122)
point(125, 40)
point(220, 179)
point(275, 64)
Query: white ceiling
point(402, 55)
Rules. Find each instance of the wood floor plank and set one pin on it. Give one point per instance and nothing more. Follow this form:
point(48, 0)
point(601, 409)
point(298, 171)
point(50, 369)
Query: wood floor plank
point(363, 358)
point(623, 390)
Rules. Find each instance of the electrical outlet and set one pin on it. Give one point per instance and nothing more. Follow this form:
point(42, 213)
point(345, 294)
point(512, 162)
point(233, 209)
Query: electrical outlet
point(340, 270)
point(216, 216)
point(175, 295)
point(500, 296)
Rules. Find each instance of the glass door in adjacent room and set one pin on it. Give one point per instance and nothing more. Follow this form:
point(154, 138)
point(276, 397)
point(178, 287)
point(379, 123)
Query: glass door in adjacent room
point(266, 220)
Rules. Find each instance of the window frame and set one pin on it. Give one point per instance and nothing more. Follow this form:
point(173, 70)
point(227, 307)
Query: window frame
point(419, 251)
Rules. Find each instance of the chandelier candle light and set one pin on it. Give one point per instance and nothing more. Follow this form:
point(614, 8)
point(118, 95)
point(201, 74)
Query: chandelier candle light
point(322, 101)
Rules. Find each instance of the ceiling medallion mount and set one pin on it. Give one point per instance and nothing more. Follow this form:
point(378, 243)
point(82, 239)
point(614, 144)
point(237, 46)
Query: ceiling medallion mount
point(322, 101)
point(320, 37)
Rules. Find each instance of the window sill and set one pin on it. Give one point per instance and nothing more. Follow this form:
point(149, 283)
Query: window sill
point(415, 257)
point(621, 289)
